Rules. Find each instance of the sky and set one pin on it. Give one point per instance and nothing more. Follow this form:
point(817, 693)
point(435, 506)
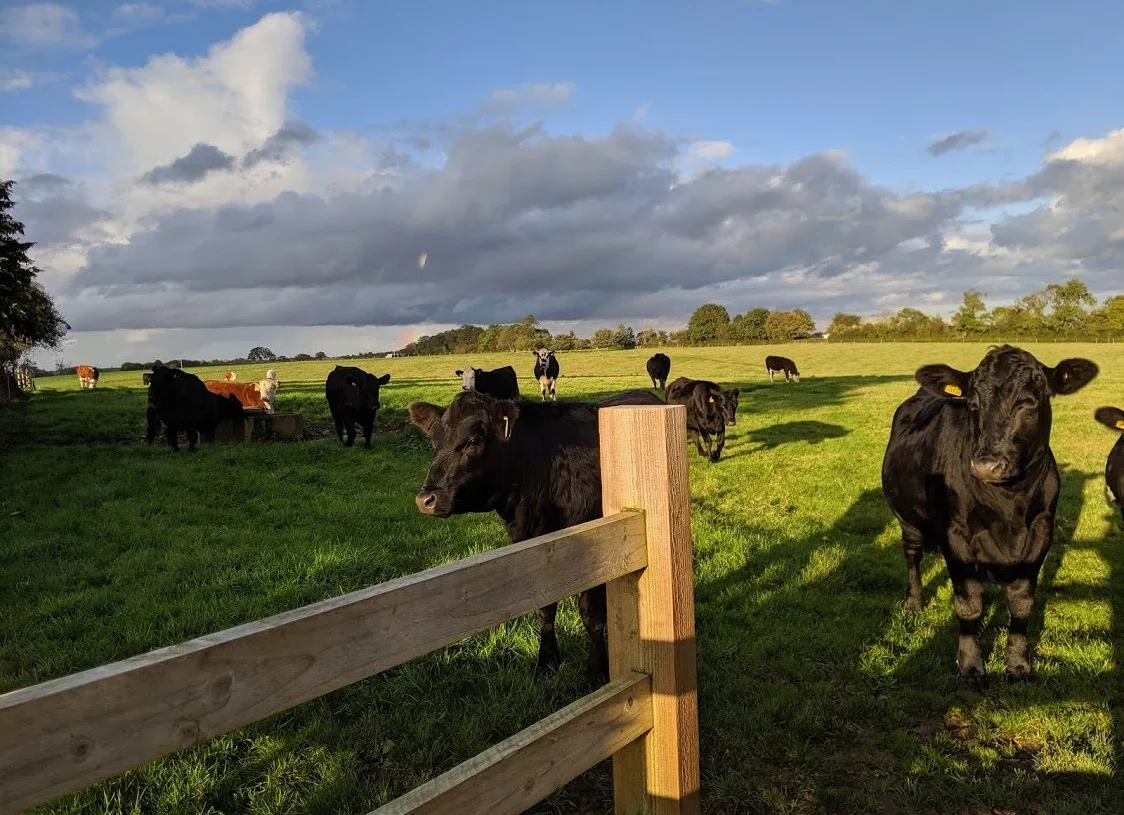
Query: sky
point(204, 176)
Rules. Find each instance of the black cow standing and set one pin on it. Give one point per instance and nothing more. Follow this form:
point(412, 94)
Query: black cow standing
point(709, 410)
point(538, 466)
point(501, 383)
point(775, 365)
point(546, 372)
point(1113, 418)
point(968, 470)
point(659, 369)
point(353, 396)
point(182, 402)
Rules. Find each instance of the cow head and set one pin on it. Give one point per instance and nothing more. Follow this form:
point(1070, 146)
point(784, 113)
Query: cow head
point(1110, 417)
point(268, 390)
point(543, 356)
point(363, 389)
point(730, 405)
point(469, 438)
point(1008, 399)
point(468, 378)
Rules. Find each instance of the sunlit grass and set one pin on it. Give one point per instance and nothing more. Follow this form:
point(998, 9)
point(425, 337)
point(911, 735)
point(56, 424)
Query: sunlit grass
point(818, 694)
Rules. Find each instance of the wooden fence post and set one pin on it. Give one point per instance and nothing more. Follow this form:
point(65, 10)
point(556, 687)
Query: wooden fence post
point(651, 613)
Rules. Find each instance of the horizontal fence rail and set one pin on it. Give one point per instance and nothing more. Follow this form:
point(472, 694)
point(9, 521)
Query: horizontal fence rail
point(71, 732)
point(68, 733)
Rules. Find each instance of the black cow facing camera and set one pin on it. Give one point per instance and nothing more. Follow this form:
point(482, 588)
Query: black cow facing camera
point(353, 396)
point(1113, 418)
point(968, 471)
point(709, 410)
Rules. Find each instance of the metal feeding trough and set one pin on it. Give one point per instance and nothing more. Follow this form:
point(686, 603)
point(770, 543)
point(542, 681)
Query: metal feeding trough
point(260, 426)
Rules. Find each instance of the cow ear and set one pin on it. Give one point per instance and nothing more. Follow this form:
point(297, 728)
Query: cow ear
point(1110, 417)
point(382, 380)
point(458, 373)
point(943, 380)
point(736, 392)
point(506, 414)
point(1071, 375)
point(426, 416)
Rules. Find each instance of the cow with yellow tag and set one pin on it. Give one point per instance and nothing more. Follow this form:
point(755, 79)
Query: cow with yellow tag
point(1113, 418)
point(969, 472)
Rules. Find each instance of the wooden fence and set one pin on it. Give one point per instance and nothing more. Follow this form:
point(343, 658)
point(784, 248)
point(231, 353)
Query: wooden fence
point(62, 735)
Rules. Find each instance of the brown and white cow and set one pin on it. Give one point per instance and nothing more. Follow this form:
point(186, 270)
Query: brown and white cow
point(231, 376)
point(87, 376)
point(252, 395)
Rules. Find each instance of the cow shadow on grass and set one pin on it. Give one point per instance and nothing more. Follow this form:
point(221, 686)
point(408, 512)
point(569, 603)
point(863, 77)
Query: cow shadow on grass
point(773, 436)
point(816, 685)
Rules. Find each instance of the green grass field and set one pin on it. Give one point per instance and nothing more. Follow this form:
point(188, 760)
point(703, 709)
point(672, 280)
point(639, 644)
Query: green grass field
point(818, 694)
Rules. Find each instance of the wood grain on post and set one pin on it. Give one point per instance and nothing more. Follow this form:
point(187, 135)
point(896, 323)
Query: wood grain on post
point(68, 733)
point(517, 773)
point(651, 614)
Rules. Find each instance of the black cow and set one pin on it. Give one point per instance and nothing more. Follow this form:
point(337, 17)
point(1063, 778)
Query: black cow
point(353, 396)
point(146, 378)
point(537, 465)
point(1113, 418)
point(707, 412)
point(501, 383)
point(775, 365)
point(968, 470)
point(546, 371)
point(659, 368)
point(181, 401)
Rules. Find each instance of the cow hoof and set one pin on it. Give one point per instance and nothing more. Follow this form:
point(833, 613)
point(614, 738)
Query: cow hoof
point(545, 670)
point(714, 458)
point(348, 443)
point(913, 604)
point(367, 445)
point(1020, 673)
point(596, 679)
point(974, 674)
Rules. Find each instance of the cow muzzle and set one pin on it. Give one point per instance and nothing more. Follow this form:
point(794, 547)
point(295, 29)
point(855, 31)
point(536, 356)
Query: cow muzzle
point(992, 470)
point(429, 503)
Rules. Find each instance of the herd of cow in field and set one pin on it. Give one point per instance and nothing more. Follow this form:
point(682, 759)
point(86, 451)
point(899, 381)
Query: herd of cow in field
point(968, 469)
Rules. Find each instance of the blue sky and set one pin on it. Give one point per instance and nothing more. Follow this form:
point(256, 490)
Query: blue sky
point(839, 101)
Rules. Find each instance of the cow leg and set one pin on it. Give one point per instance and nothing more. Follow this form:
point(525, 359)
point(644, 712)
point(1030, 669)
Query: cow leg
point(914, 550)
point(592, 606)
point(720, 442)
point(696, 437)
point(368, 429)
point(968, 603)
point(549, 656)
point(1020, 603)
point(192, 438)
point(350, 433)
point(339, 427)
point(553, 394)
point(173, 436)
point(152, 426)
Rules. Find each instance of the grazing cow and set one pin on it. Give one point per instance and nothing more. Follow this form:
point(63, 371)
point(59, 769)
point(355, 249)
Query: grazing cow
point(659, 368)
point(546, 372)
point(146, 378)
point(87, 376)
point(968, 471)
point(231, 376)
point(353, 396)
point(1113, 418)
point(776, 365)
point(537, 465)
point(252, 395)
point(707, 413)
point(501, 383)
point(181, 401)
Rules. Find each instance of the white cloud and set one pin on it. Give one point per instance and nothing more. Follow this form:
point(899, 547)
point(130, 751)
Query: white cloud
point(43, 25)
point(710, 150)
point(540, 93)
point(138, 13)
point(17, 80)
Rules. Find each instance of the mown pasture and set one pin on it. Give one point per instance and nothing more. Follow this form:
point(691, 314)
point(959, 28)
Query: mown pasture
point(818, 693)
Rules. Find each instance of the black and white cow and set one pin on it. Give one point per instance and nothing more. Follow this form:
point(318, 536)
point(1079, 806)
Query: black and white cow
point(1113, 418)
point(776, 365)
point(546, 372)
point(501, 383)
point(968, 471)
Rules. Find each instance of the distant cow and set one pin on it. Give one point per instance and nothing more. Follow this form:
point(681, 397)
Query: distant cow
point(87, 376)
point(707, 414)
point(231, 376)
point(182, 402)
point(271, 373)
point(252, 395)
point(537, 465)
point(146, 378)
point(353, 396)
point(501, 383)
point(1114, 468)
point(546, 372)
point(776, 365)
point(659, 368)
point(968, 471)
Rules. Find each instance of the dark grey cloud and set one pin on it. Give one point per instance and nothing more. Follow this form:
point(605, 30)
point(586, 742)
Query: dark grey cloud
point(54, 210)
point(288, 137)
point(956, 141)
point(199, 161)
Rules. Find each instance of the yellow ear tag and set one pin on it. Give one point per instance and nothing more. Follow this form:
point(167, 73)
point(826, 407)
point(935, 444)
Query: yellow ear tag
point(1120, 425)
point(506, 429)
point(953, 390)
point(712, 400)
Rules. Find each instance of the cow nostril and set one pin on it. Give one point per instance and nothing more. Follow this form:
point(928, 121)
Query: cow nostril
point(426, 501)
point(988, 469)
